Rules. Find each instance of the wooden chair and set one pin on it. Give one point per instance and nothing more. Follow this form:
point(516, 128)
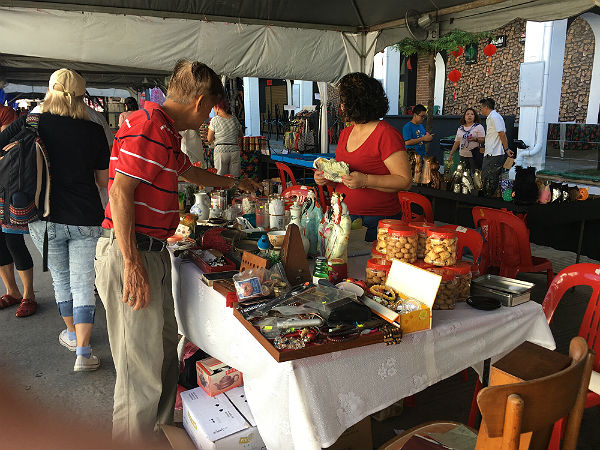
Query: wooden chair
point(407, 199)
point(283, 170)
point(506, 244)
point(528, 407)
point(577, 275)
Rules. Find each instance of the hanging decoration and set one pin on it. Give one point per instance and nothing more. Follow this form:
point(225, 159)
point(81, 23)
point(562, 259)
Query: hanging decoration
point(489, 51)
point(454, 76)
point(456, 53)
point(408, 63)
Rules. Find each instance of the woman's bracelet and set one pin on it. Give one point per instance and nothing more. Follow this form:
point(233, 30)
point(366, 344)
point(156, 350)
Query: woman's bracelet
point(366, 183)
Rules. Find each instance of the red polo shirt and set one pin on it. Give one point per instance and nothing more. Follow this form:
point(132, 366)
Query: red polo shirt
point(369, 158)
point(148, 148)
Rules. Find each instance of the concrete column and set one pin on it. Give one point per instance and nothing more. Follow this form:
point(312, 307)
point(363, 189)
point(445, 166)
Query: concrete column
point(386, 68)
point(545, 42)
point(306, 93)
point(251, 106)
point(440, 82)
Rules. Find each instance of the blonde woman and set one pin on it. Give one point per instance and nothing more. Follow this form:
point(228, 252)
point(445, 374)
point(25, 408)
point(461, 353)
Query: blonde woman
point(78, 155)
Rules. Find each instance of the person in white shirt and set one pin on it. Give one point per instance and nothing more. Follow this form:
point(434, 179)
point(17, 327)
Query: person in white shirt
point(496, 144)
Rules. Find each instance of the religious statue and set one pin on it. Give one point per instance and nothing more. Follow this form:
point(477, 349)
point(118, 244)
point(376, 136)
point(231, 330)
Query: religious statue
point(311, 218)
point(335, 230)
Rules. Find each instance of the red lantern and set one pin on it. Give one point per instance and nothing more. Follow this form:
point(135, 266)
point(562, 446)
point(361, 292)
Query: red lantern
point(489, 51)
point(454, 76)
point(456, 53)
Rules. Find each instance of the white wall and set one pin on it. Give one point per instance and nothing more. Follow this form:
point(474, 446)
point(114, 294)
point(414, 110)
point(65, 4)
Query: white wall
point(545, 42)
point(251, 106)
point(386, 68)
point(594, 100)
point(306, 93)
point(440, 82)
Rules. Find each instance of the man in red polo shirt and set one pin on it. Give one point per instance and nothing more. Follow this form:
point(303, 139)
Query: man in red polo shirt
point(133, 269)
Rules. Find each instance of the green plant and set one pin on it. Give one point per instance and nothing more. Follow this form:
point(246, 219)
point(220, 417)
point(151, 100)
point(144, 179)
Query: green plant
point(448, 42)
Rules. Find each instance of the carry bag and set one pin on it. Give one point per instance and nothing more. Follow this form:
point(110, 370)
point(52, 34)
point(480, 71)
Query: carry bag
point(24, 177)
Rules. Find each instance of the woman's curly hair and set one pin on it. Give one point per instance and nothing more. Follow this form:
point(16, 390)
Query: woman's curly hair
point(362, 97)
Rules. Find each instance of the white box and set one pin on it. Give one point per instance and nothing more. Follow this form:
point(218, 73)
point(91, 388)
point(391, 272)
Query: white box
point(215, 423)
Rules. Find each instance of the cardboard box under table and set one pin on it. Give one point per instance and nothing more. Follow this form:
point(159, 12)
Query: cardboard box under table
point(216, 377)
point(220, 422)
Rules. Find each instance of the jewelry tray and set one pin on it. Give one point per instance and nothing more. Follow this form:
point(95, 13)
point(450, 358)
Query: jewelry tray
point(311, 349)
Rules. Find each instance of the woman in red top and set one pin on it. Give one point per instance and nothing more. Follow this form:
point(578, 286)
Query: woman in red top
point(375, 152)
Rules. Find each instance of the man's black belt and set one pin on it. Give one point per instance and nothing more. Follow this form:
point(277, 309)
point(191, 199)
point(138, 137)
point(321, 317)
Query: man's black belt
point(143, 242)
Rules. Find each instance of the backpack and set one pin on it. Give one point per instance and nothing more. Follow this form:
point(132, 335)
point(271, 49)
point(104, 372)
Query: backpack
point(24, 176)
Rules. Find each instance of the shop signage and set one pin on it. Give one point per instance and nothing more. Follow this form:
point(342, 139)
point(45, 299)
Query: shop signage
point(471, 54)
point(498, 41)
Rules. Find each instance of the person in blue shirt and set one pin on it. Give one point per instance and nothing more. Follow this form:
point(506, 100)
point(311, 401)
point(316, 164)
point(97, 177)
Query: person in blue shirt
point(414, 133)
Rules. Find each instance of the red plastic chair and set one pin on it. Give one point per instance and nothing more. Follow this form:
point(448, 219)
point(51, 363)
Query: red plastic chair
point(283, 170)
point(467, 237)
point(584, 274)
point(506, 244)
point(297, 192)
point(407, 199)
point(577, 275)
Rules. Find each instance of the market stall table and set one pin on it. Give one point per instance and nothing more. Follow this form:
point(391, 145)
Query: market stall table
point(572, 226)
point(308, 403)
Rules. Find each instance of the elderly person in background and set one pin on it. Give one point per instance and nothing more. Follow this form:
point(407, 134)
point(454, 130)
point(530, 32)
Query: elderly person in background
point(225, 130)
point(375, 152)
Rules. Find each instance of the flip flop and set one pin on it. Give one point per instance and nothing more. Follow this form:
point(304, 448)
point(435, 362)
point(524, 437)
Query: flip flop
point(8, 300)
point(26, 308)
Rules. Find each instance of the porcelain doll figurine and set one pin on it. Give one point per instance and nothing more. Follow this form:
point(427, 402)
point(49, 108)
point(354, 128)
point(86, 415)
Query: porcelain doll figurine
point(335, 230)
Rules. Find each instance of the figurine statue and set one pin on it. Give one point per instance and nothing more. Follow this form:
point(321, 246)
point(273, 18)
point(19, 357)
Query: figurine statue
point(311, 218)
point(335, 230)
point(296, 218)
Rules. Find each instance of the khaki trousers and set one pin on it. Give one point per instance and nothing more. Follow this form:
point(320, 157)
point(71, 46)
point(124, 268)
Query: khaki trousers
point(143, 344)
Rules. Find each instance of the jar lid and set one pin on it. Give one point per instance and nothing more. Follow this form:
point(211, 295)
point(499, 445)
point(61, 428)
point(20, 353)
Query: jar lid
point(447, 275)
point(441, 271)
point(386, 223)
point(401, 230)
point(441, 233)
point(376, 253)
point(460, 268)
point(421, 226)
point(379, 264)
point(421, 264)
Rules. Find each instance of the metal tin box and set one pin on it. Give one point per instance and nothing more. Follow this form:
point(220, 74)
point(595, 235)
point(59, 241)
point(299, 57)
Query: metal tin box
point(509, 291)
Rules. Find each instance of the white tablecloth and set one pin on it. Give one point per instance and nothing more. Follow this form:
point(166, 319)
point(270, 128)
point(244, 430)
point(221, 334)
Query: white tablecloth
point(308, 403)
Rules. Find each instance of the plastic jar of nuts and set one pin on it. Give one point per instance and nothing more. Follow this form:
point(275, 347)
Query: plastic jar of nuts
point(462, 270)
point(440, 249)
point(401, 244)
point(377, 271)
point(446, 294)
point(375, 253)
point(421, 228)
point(382, 232)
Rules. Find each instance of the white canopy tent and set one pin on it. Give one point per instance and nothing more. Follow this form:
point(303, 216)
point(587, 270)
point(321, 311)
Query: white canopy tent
point(133, 42)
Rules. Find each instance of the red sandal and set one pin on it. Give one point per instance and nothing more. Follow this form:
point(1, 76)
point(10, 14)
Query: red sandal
point(8, 300)
point(26, 308)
